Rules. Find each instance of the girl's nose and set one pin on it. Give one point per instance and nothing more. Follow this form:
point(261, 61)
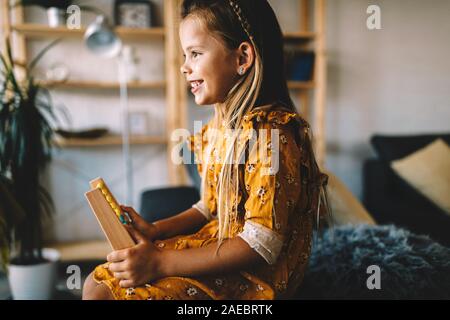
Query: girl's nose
point(184, 69)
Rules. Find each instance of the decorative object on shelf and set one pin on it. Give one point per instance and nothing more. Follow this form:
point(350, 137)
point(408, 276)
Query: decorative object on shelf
point(300, 65)
point(58, 72)
point(55, 17)
point(138, 123)
point(93, 133)
point(26, 135)
point(56, 10)
point(133, 13)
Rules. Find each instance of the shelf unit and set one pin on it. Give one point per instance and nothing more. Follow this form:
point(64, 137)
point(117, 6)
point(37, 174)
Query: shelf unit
point(312, 37)
point(83, 84)
point(32, 30)
point(109, 140)
point(172, 84)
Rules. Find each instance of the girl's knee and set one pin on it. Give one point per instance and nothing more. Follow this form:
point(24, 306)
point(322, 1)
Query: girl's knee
point(94, 291)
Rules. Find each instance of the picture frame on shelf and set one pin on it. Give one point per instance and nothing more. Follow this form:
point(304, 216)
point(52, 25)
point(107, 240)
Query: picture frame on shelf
point(138, 123)
point(133, 13)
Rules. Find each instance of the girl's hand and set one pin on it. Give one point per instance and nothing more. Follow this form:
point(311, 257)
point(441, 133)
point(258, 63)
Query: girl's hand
point(137, 265)
point(148, 230)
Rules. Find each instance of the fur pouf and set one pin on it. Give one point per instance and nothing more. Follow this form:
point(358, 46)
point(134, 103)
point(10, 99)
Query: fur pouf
point(412, 266)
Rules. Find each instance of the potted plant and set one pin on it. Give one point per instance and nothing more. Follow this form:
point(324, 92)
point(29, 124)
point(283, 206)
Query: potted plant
point(26, 134)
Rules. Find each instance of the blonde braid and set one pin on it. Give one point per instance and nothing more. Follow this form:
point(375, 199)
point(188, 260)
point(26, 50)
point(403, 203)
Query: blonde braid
point(244, 23)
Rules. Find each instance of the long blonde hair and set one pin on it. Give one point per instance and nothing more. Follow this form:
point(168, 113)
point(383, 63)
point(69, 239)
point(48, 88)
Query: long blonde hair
point(264, 83)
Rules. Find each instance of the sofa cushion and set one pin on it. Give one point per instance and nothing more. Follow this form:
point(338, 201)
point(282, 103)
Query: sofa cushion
point(428, 171)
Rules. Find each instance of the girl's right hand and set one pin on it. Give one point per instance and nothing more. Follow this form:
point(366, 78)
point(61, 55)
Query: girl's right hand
point(148, 230)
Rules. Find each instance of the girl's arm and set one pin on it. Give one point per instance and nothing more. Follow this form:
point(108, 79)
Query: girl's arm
point(186, 222)
point(183, 223)
point(233, 255)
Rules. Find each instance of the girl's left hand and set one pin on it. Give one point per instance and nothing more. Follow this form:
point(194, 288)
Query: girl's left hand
point(137, 265)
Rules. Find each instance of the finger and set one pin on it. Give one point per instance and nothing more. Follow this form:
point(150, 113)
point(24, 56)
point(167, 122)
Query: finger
point(126, 283)
point(135, 217)
point(121, 275)
point(117, 256)
point(135, 234)
point(117, 267)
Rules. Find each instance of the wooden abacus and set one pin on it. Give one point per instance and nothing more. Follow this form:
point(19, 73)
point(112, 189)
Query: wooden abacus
point(109, 215)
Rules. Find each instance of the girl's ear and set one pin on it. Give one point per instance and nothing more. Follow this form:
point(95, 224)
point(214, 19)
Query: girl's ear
point(246, 55)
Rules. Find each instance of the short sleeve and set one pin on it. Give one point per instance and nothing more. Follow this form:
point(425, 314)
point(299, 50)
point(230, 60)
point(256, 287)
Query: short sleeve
point(273, 186)
point(204, 210)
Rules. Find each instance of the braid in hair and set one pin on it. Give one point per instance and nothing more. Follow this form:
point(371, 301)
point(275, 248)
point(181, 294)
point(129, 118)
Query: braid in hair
point(244, 23)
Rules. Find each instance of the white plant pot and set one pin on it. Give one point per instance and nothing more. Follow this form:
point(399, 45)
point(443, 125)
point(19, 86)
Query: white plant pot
point(35, 282)
point(55, 17)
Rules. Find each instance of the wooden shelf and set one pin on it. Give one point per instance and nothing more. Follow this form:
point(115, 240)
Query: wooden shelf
point(299, 35)
point(82, 251)
point(111, 140)
point(295, 85)
point(81, 84)
point(41, 31)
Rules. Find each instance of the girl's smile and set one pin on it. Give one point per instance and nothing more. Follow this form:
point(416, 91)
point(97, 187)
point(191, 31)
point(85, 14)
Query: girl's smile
point(196, 85)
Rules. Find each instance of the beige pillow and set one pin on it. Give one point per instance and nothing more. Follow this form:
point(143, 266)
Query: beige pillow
point(428, 171)
point(345, 206)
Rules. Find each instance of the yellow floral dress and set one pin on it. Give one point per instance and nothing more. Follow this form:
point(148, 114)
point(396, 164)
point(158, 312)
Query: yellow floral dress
point(280, 207)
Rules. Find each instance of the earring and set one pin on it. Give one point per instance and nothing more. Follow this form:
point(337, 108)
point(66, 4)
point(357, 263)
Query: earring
point(241, 71)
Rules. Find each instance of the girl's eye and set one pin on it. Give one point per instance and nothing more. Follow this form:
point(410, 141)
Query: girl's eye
point(193, 55)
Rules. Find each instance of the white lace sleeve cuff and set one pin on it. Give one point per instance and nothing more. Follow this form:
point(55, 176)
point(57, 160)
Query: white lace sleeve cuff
point(263, 240)
point(200, 206)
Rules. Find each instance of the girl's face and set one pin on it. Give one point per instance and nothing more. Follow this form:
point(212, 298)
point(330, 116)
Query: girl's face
point(209, 67)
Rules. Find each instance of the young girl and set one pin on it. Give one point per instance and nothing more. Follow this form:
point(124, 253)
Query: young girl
point(250, 235)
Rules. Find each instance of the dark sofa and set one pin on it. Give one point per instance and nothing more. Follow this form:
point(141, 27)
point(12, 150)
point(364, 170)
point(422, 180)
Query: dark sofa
point(390, 199)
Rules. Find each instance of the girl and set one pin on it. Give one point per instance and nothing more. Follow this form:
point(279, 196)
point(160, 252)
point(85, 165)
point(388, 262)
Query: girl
point(250, 235)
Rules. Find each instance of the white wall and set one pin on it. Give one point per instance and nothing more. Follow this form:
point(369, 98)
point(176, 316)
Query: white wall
point(393, 80)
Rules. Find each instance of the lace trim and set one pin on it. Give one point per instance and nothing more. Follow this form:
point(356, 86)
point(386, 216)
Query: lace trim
point(263, 240)
point(200, 206)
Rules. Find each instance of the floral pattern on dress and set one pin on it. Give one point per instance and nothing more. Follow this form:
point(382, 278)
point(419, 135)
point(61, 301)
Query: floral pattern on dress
point(191, 291)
